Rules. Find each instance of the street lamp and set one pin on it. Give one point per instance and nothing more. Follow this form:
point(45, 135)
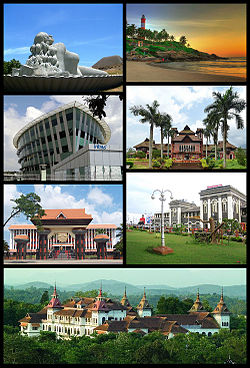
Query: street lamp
point(162, 198)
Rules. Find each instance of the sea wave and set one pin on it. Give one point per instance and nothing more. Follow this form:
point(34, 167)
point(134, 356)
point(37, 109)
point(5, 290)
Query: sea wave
point(232, 66)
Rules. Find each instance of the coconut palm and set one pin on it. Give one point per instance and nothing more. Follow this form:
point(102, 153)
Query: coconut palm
point(183, 40)
point(207, 135)
point(165, 124)
point(213, 121)
point(149, 114)
point(227, 106)
point(131, 30)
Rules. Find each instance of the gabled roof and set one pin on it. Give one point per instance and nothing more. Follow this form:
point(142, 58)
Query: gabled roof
point(186, 130)
point(75, 213)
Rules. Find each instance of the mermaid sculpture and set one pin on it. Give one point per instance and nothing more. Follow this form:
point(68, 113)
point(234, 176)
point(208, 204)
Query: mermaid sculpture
point(53, 60)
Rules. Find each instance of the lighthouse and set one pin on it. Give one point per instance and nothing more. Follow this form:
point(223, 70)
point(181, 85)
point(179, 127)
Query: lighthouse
point(143, 21)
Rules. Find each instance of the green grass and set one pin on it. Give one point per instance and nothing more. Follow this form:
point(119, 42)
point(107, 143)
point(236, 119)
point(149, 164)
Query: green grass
point(159, 46)
point(186, 250)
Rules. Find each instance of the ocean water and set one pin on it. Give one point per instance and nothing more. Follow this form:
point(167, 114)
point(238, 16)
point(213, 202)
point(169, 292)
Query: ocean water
point(235, 66)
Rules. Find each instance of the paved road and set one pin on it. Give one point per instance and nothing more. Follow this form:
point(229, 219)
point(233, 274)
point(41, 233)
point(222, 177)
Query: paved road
point(64, 261)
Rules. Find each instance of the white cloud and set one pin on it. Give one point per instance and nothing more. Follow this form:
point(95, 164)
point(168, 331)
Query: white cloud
point(54, 197)
point(17, 51)
point(97, 196)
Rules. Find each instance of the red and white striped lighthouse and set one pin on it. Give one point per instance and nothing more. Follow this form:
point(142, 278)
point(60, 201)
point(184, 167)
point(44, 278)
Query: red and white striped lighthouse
point(143, 21)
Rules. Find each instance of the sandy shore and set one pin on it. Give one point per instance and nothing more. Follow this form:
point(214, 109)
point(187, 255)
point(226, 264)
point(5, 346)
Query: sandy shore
point(143, 72)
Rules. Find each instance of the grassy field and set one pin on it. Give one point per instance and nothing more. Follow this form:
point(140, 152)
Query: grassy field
point(186, 250)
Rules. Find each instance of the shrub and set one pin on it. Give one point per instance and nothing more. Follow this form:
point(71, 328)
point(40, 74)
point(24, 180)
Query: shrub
point(168, 163)
point(241, 156)
point(156, 153)
point(130, 163)
point(140, 154)
point(156, 164)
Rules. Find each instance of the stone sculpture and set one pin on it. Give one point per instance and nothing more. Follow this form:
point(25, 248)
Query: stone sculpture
point(53, 60)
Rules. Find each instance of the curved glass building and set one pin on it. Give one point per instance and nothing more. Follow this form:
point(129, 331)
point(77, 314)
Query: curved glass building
point(59, 136)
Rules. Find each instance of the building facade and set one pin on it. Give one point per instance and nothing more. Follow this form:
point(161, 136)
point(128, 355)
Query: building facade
point(62, 144)
point(188, 146)
point(67, 233)
point(216, 201)
point(83, 316)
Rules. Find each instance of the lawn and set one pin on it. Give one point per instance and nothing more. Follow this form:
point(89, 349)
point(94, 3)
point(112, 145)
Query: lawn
point(186, 250)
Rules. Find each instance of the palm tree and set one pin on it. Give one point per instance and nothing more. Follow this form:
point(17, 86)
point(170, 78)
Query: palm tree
point(148, 115)
point(131, 30)
point(165, 123)
point(227, 106)
point(207, 134)
point(213, 121)
point(183, 40)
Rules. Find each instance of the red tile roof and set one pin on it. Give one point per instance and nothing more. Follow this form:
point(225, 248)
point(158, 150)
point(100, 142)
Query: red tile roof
point(76, 213)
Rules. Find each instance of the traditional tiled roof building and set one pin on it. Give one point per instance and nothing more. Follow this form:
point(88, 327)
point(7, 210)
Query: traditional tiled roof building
point(83, 316)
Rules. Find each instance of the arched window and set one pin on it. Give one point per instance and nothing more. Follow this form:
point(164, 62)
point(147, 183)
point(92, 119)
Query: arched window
point(224, 205)
point(205, 207)
point(209, 334)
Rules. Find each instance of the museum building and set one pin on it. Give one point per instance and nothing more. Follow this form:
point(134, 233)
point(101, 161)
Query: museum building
point(216, 201)
point(83, 316)
point(68, 143)
point(187, 145)
point(62, 233)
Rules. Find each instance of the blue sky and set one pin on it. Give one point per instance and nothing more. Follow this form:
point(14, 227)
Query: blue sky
point(186, 106)
point(175, 277)
point(103, 202)
point(20, 110)
point(91, 30)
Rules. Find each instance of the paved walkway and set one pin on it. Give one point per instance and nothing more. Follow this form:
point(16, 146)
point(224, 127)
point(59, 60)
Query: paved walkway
point(63, 261)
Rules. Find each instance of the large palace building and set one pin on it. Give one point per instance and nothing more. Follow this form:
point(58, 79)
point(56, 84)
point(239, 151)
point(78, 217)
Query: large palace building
point(187, 145)
point(216, 201)
point(64, 233)
point(83, 316)
point(68, 143)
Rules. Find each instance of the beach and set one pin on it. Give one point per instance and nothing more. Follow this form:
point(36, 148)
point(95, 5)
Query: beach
point(144, 72)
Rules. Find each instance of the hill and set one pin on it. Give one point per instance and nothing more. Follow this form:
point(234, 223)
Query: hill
point(164, 51)
point(117, 288)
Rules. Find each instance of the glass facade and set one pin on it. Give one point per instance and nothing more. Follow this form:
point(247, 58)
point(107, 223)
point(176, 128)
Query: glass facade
point(57, 136)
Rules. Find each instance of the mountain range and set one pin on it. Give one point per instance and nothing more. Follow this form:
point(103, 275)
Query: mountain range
point(117, 288)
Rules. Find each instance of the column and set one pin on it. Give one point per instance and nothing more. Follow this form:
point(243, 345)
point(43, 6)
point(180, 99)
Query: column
point(201, 213)
point(219, 210)
point(230, 207)
point(239, 211)
point(208, 209)
point(179, 215)
point(79, 243)
point(43, 244)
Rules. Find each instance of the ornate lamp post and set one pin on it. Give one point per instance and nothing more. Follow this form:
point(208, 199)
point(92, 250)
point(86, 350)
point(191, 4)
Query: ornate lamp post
point(162, 249)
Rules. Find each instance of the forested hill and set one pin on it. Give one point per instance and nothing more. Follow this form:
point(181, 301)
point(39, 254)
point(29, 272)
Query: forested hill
point(110, 285)
point(32, 295)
